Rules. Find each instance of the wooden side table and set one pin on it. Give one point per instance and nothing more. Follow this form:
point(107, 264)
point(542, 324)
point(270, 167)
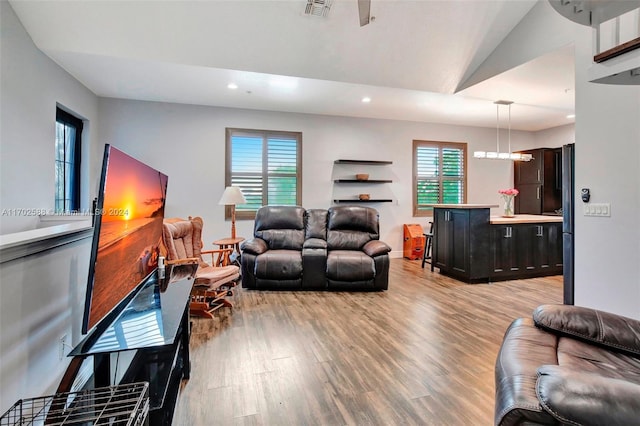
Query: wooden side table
point(230, 243)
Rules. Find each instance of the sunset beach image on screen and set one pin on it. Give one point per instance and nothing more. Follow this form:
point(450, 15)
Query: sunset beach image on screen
point(130, 230)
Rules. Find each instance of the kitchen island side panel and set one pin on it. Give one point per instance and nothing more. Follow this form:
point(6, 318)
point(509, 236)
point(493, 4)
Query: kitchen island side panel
point(470, 245)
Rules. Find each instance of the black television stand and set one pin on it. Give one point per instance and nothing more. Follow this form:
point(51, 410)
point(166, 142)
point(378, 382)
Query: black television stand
point(153, 327)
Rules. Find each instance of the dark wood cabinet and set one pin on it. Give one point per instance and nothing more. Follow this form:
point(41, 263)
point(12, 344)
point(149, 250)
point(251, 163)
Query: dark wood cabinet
point(461, 243)
point(529, 172)
point(550, 248)
point(526, 250)
point(539, 182)
point(469, 247)
point(516, 249)
point(442, 239)
point(504, 257)
point(529, 199)
point(552, 180)
point(452, 232)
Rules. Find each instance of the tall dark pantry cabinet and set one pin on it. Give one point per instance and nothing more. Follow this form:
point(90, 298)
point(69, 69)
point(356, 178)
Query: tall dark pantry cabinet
point(539, 182)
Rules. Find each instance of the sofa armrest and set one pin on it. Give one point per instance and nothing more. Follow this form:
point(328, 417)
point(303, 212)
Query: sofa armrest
point(314, 243)
point(375, 248)
point(574, 397)
point(599, 327)
point(255, 246)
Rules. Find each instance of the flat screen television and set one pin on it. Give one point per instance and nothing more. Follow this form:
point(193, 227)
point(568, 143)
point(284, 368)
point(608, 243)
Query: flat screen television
point(127, 234)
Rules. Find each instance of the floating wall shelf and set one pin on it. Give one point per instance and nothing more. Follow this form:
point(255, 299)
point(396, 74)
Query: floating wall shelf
point(362, 181)
point(356, 200)
point(369, 162)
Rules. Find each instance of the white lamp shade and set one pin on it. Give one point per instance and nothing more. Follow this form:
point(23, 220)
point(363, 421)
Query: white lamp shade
point(232, 195)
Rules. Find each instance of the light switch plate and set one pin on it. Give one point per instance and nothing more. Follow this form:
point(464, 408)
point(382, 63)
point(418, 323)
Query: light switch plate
point(597, 209)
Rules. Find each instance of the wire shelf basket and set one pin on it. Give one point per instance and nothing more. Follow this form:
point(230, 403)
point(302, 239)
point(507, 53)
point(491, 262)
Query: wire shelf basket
point(120, 405)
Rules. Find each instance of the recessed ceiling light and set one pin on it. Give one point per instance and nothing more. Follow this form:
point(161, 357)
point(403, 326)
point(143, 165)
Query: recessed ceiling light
point(571, 116)
point(232, 86)
point(366, 99)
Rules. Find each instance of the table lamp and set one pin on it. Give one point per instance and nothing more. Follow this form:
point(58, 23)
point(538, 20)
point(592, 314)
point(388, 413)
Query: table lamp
point(231, 196)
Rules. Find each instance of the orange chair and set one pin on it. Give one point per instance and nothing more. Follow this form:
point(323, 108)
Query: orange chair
point(183, 242)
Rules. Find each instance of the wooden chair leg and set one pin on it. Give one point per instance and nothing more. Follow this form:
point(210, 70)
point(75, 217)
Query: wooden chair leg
point(428, 241)
point(426, 255)
point(200, 309)
point(204, 302)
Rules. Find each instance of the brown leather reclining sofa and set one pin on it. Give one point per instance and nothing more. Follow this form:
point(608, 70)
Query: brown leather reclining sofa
point(569, 365)
point(316, 249)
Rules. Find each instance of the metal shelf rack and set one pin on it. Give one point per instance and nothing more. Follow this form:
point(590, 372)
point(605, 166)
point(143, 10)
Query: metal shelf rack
point(121, 405)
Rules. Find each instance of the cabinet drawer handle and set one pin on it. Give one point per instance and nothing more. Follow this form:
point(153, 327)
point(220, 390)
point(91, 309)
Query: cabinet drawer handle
point(538, 193)
point(540, 232)
point(538, 171)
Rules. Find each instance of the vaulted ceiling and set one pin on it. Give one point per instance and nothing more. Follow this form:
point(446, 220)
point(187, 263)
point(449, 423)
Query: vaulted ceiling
point(410, 60)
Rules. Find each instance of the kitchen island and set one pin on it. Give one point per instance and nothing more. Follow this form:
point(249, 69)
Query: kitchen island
point(471, 245)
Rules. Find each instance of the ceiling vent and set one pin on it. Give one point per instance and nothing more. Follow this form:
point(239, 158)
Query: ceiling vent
point(318, 7)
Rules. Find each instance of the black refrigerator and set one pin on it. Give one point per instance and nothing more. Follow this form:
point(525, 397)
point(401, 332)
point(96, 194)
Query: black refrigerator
point(568, 215)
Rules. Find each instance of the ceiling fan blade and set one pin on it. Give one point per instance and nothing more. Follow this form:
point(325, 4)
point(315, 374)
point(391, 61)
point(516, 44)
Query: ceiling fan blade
point(364, 10)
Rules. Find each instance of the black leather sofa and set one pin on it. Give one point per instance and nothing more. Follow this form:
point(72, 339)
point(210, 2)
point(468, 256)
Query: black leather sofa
point(316, 249)
point(569, 365)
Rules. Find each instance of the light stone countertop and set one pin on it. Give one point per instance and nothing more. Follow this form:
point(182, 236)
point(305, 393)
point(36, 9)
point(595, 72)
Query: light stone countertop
point(523, 218)
point(463, 206)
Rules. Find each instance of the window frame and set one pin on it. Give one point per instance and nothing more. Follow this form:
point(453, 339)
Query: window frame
point(440, 145)
point(265, 135)
point(68, 119)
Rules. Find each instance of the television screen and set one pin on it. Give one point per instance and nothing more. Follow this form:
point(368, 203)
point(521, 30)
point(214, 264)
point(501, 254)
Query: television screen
point(127, 232)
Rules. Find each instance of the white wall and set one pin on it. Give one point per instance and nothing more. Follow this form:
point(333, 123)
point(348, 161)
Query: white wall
point(41, 300)
point(555, 137)
point(541, 31)
point(607, 138)
point(31, 86)
point(608, 162)
point(41, 296)
point(188, 143)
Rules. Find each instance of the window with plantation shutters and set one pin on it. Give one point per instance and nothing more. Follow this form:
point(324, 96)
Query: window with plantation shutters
point(266, 166)
point(439, 175)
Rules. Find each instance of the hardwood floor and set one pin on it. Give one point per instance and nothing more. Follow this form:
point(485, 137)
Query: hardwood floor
point(421, 353)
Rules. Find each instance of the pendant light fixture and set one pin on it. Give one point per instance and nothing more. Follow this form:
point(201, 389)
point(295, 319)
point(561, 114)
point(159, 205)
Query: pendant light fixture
point(497, 155)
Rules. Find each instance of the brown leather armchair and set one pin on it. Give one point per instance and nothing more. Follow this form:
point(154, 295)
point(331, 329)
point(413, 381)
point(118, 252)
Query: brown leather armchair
point(183, 241)
point(569, 365)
